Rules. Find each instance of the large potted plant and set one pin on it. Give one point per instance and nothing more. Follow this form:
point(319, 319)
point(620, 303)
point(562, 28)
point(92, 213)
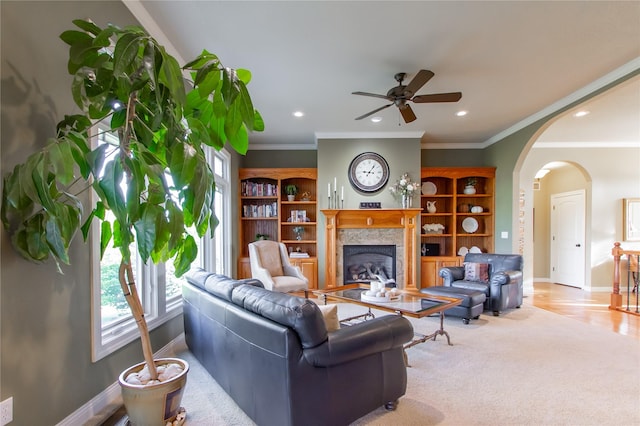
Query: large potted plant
point(155, 182)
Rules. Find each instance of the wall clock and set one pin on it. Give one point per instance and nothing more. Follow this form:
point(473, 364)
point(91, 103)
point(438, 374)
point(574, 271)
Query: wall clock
point(368, 172)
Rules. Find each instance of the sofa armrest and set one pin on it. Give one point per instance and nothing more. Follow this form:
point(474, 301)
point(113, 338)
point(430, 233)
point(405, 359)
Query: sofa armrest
point(360, 340)
point(451, 274)
point(506, 277)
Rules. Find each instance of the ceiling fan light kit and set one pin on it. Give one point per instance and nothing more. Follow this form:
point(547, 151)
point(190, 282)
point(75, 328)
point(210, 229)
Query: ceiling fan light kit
point(401, 94)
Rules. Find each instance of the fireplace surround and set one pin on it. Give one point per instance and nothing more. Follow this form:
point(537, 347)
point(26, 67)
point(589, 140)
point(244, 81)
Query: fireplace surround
point(372, 226)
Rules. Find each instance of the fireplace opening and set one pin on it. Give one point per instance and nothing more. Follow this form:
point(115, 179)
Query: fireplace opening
point(365, 263)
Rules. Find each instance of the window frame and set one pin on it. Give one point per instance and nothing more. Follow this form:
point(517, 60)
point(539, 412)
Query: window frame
point(150, 279)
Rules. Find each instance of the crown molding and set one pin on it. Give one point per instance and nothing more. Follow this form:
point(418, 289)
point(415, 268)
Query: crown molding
point(368, 135)
point(624, 70)
point(595, 144)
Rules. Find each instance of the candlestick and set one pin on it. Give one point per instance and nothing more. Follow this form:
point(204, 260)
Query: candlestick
point(335, 200)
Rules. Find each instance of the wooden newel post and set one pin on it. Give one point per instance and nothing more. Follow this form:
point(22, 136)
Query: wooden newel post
point(616, 297)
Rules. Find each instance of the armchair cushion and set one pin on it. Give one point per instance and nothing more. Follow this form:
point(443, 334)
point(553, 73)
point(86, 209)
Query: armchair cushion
point(476, 272)
point(270, 257)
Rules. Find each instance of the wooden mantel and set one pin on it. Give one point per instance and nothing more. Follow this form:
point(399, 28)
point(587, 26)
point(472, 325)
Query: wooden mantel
point(371, 219)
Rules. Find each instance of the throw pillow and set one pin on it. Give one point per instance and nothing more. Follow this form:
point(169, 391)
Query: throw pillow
point(478, 272)
point(330, 315)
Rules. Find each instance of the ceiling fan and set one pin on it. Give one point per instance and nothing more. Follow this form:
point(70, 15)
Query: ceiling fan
point(400, 95)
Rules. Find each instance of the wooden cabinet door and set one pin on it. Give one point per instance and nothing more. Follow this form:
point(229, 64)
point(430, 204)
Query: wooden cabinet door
point(309, 270)
point(244, 268)
point(430, 268)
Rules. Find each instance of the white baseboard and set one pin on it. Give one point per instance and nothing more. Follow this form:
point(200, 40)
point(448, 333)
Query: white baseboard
point(107, 402)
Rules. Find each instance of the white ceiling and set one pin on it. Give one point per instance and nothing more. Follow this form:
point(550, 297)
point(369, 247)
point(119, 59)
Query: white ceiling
point(512, 61)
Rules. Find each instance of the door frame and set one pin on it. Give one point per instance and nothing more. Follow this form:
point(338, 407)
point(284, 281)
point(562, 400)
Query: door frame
point(553, 224)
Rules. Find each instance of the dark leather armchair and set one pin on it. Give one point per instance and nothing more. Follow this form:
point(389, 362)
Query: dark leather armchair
point(504, 287)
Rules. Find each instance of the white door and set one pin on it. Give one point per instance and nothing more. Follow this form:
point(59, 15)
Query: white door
point(568, 238)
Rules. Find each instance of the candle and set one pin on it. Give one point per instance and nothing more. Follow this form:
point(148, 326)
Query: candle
point(335, 184)
point(342, 193)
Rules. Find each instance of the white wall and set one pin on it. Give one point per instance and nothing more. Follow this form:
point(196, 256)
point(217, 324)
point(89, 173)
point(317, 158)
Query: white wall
point(611, 174)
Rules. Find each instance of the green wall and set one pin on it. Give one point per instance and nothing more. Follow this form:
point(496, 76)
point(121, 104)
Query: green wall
point(45, 317)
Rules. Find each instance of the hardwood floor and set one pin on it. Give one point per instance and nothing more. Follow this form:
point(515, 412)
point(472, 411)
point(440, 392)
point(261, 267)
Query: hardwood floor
point(592, 308)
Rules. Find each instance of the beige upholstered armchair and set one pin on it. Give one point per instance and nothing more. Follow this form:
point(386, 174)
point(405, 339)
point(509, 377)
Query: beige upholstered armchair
point(270, 264)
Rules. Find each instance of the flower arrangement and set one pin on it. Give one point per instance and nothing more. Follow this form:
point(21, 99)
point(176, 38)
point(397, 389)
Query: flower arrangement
point(404, 186)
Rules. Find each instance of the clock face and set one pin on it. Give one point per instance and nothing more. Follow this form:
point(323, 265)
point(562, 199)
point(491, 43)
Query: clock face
point(368, 172)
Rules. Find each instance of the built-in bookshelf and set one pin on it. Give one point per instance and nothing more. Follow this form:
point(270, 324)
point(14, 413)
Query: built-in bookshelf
point(458, 205)
point(266, 213)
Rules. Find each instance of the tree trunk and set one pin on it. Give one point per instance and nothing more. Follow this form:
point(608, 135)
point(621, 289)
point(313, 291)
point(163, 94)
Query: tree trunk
point(128, 284)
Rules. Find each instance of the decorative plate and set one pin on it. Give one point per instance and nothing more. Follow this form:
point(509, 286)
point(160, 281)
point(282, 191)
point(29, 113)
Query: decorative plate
point(429, 188)
point(475, 249)
point(470, 225)
point(462, 251)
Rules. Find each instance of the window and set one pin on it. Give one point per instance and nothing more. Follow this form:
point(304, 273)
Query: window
point(112, 323)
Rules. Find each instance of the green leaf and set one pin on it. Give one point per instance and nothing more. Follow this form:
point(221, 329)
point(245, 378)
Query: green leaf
point(105, 237)
point(86, 226)
point(74, 37)
point(146, 230)
point(110, 185)
point(34, 239)
point(243, 75)
point(233, 121)
point(124, 53)
point(240, 141)
point(87, 26)
point(176, 225)
point(258, 122)
point(54, 237)
point(202, 59)
point(183, 164)
point(245, 106)
point(62, 161)
point(171, 76)
point(186, 255)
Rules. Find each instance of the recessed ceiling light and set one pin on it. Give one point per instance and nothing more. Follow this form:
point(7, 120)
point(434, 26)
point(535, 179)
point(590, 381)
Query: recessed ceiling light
point(461, 113)
point(376, 119)
point(298, 114)
point(581, 113)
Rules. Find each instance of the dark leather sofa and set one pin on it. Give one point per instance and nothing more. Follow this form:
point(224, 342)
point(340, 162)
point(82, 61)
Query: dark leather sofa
point(505, 287)
point(272, 354)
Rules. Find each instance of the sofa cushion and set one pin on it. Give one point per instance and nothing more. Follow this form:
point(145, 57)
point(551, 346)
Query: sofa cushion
point(478, 272)
point(301, 315)
point(330, 316)
point(216, 284)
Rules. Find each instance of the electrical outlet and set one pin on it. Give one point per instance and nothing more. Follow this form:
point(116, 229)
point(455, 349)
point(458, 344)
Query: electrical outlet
point(6, 411)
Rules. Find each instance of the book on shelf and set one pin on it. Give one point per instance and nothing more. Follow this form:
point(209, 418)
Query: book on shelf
point(298, 255)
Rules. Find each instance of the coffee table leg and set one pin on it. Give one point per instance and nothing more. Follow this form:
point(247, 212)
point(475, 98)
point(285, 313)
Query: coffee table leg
point(432, 336)
point(440, 331)
point(362, 317)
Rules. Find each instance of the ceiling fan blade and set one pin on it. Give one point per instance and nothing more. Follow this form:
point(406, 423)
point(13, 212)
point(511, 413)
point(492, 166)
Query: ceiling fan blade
point(418, 81)
point(407, 113)
point(373, 112)
point(438, 97)
point(373, 95)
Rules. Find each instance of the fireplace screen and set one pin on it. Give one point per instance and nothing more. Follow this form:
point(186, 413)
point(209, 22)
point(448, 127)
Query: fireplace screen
point(364, 263)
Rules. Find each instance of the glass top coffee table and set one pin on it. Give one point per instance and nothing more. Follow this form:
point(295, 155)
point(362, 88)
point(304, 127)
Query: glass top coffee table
point(411, 304)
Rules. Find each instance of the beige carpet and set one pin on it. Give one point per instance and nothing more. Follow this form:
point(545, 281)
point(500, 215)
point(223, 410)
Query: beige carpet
point(526, 367)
